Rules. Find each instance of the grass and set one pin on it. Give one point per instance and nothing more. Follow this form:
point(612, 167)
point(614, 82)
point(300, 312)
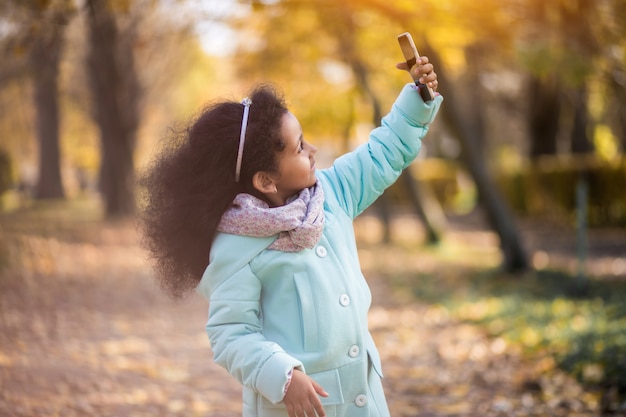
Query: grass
point(583, 328)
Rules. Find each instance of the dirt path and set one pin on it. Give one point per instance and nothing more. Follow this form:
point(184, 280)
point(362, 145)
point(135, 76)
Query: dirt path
point(85, 332)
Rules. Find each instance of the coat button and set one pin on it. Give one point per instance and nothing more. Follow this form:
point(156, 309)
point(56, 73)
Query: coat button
point(360, 400)
point(354, 351)
point(321, 251)
point(344, 300)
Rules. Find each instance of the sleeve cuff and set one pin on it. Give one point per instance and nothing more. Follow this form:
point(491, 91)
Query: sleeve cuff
point(410, 103)
point(274, 376)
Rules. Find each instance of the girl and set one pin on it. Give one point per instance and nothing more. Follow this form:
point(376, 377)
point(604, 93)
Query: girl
point(237, 210)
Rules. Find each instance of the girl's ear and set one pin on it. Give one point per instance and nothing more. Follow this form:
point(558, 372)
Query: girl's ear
point(264, 182)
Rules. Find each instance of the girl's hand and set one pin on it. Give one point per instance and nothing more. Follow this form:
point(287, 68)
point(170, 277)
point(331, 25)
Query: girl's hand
point(302, 398)
point(424, 69)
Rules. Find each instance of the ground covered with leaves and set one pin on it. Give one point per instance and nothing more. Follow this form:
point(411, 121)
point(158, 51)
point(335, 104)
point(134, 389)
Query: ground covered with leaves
point(84, 330)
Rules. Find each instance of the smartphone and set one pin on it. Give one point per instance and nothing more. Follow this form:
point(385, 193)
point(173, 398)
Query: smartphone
point(410, 56)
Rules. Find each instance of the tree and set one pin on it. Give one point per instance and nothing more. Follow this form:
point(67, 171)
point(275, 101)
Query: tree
point(574, 48)
point(45, 57)
point(467, 125)
point(40, 32)
point(115, 91)
point(544, 97)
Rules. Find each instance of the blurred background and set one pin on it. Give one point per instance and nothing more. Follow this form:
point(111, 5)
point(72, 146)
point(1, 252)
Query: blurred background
point(525, 161)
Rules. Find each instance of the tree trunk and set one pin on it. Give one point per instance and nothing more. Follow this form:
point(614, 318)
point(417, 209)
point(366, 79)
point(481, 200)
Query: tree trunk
point(44, 60)
point(579, 40)
point(467, 127)
point(114, 95)
point(543, 115)
point(618, 109)
point(426, 207)
point(579, 138)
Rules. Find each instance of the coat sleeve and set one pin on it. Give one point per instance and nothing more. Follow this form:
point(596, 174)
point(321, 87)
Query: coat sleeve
point(234, 329)
point(358, 178)
point(234, 324)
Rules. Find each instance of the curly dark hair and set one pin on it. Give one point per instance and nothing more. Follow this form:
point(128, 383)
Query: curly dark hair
point(191, 183)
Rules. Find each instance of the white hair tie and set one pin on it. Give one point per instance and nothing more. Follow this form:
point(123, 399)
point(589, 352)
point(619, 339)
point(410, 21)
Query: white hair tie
point(242, 138)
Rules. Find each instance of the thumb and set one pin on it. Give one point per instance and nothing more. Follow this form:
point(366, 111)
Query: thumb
point(318, 388)
point(402, 66)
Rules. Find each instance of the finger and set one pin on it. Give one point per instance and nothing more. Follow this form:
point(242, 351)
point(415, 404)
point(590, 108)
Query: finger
point(309, 410)
point(318, 388)
point(428, 78)
point(433, 85)
point(424, 59)
point(417, 74)
point(432, 81)
point(402, 66)
point(425, 70)
point(405, 67)
point(320, 410)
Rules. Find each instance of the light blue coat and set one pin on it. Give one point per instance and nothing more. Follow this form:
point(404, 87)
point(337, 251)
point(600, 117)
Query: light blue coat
point(271, 311)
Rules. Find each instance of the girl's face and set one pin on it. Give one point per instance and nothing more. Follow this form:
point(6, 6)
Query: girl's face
point(296, 167)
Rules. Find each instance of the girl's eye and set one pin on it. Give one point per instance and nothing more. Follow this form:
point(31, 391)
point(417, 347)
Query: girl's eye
point(301, 148)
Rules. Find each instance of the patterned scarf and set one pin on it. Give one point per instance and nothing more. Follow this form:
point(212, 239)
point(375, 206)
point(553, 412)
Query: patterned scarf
point(299, 223)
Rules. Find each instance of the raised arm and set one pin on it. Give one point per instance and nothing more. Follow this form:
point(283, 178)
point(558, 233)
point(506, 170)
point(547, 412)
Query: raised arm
point(358, 178)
